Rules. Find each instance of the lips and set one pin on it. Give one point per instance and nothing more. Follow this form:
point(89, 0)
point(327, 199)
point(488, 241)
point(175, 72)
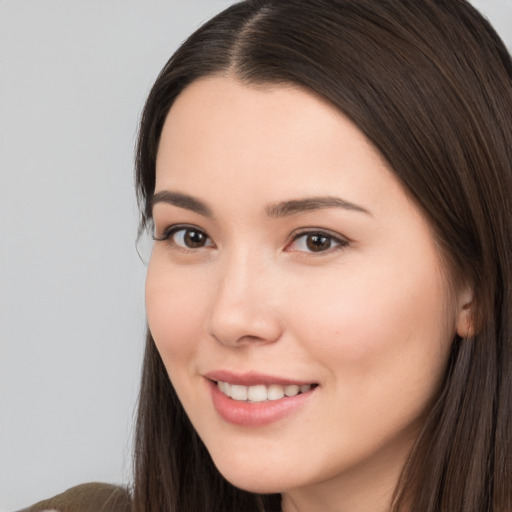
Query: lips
point(252, 399)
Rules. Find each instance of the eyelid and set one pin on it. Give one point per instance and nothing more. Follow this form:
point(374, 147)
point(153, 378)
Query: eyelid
point(168, 231)
point(171, 230)
point(340, 240)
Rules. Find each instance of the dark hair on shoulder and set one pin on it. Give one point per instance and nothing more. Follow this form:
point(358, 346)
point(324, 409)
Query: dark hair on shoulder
point(430, 84)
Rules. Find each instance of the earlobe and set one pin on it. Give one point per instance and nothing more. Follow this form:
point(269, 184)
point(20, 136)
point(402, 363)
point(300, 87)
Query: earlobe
point(466, 314)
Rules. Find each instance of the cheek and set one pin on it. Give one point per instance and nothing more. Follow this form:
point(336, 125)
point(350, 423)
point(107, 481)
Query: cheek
point(174, 312)
point(380, 323)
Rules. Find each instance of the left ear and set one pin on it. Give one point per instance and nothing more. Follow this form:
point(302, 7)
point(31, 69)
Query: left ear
point(465, 324)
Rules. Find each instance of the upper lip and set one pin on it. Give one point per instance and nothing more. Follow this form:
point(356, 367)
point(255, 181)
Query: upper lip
point(252, 378)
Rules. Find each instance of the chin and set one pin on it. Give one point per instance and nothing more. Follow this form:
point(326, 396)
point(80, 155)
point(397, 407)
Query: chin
point(253, 478)
point(255, 484)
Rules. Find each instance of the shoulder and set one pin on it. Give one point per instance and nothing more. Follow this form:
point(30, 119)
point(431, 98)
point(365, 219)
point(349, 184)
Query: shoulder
point(90, 497)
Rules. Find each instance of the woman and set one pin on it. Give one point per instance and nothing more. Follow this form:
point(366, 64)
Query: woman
point(328, 184)
point(329, 188)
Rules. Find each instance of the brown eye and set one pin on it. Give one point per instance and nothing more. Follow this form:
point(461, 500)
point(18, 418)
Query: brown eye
point(193, 238)
point(187, 237)
point(316, 242)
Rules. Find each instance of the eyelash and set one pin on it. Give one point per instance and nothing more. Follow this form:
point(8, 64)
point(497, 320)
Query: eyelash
point(336, 242)
point(168, 234)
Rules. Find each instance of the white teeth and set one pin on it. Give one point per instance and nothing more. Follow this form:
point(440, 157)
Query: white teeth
point(260, 392)
point(225, 387)
point(239, 392)
point(275, 392)
point(291, 390)
point(257, 393)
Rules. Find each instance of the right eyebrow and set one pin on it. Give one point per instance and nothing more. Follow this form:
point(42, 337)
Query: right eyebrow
point(308, 204)
point(182, 201)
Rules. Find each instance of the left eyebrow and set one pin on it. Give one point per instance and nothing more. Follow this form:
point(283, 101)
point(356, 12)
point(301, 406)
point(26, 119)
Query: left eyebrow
point(308, 204)
point(182, 201)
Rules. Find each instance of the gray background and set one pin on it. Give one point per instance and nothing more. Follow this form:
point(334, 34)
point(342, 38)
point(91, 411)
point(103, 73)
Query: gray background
point(73, 78)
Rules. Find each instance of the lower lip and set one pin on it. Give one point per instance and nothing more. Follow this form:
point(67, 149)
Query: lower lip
point(247, 414)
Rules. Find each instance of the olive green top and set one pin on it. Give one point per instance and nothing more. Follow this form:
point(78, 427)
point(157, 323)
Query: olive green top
point(90, 497)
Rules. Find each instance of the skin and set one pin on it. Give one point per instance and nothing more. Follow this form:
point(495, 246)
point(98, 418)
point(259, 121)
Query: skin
point(370, 319)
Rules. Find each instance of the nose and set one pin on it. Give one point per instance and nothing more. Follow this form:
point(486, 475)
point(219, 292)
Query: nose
point(244, 307)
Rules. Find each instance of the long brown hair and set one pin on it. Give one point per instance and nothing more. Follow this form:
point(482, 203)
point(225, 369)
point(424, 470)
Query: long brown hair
point(430, 84)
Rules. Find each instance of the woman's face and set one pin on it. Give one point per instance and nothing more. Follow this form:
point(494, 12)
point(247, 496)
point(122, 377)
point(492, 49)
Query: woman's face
point(289, 255)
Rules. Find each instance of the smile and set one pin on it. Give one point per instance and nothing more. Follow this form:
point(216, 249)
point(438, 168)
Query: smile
point(254, 399)
point(261, 392)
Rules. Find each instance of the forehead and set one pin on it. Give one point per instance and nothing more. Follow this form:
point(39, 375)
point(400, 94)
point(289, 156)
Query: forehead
point(220, 126)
